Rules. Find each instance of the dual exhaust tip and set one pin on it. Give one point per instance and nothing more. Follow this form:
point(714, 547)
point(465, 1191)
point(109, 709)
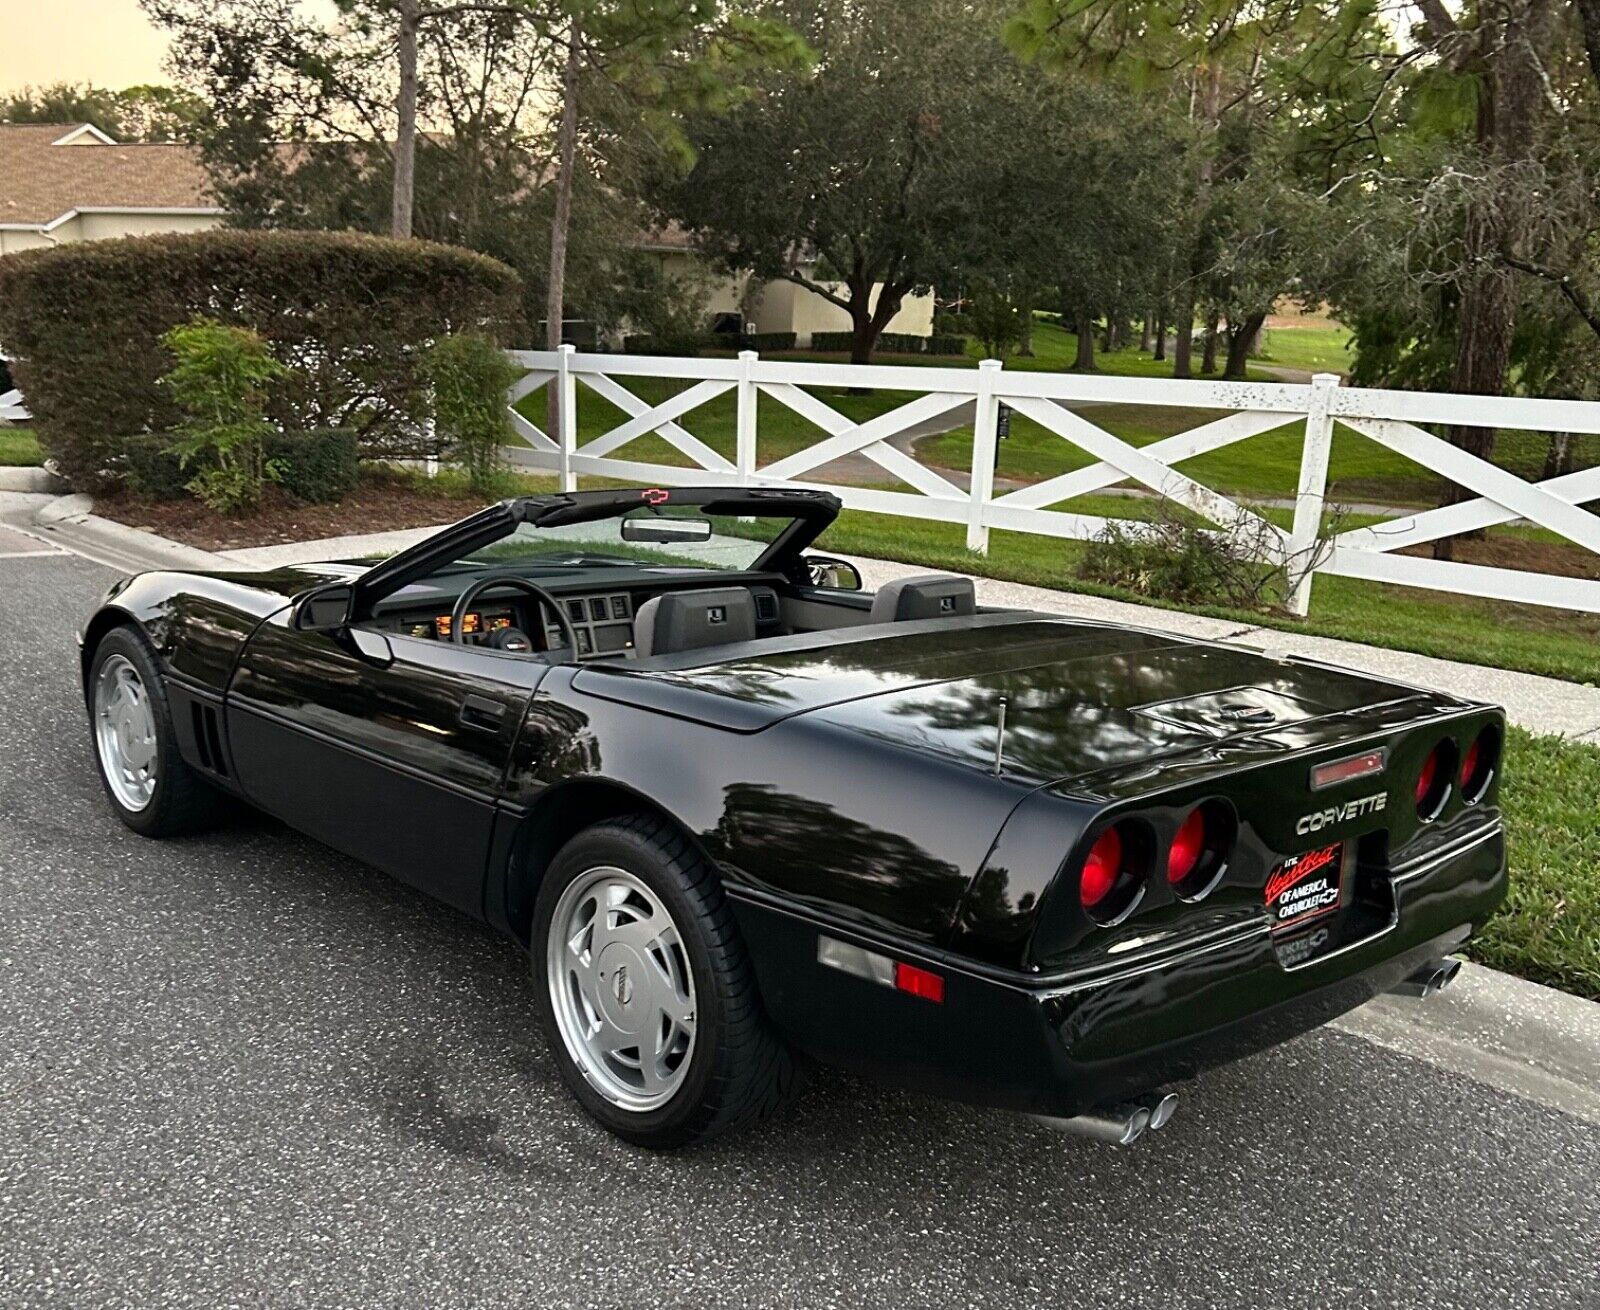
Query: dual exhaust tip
point(1121, 1124)
point(1429, 980)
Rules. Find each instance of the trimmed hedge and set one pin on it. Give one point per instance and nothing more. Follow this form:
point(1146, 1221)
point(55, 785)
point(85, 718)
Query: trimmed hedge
point(350, 314)
point(890, 343)
point(316, 466)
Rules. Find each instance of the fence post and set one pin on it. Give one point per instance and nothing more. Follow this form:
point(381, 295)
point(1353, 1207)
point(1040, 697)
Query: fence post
point(985, 436)
point(744, 451)
point(1311, 492)
point(567, 416)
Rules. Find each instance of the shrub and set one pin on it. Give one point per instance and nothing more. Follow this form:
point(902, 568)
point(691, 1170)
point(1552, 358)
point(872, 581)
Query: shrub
point(831, 343)
point(219, 383)
point(946, 345)
point(469, 376)
point(1178, 559)
point(350, 314)
point(312, 466)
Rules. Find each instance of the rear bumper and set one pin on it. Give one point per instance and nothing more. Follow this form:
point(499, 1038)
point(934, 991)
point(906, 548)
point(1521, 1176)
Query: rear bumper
point(1064, 1045)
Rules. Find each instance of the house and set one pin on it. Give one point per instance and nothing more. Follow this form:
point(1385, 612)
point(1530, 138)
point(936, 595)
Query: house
point(777, 306)
point(72, 182)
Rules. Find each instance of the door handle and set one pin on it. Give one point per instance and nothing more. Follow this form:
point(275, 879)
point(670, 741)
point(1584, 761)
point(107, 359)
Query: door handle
point(482, 714)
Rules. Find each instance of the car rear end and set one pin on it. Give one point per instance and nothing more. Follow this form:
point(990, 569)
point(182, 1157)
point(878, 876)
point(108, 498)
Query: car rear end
point(1200, 908)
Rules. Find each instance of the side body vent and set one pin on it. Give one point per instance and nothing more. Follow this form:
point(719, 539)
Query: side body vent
point(766, 606)
point(207, 738)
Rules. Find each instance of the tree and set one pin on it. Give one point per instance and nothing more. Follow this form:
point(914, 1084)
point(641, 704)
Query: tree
point(138, 113)
point(866, 177)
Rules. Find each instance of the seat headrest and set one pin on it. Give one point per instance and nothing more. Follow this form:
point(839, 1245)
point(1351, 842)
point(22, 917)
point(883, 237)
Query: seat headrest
point(927, 596)
point(689, 620)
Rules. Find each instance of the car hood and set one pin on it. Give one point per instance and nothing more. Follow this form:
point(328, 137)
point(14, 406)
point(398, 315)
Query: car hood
point(1078, 698)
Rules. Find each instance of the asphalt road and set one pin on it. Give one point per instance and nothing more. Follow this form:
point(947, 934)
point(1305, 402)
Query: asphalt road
point(241, 1070)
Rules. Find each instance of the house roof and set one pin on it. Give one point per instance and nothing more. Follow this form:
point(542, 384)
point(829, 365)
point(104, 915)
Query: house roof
point(50, 170)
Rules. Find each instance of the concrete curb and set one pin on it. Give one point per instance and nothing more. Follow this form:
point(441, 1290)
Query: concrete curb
point(70, 521)
point(32, 480)
point(1495, 1028)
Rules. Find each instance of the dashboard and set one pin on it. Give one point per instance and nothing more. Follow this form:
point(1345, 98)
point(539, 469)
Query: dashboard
point(602, 621)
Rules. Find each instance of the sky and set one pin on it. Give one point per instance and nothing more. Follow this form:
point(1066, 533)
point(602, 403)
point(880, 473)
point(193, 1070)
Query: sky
point(108, 42)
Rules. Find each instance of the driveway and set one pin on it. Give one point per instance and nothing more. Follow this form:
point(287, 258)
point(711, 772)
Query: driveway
point(241, 1070)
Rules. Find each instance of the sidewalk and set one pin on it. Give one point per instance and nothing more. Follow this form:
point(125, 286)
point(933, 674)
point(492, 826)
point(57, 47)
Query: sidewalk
point(1543, 705)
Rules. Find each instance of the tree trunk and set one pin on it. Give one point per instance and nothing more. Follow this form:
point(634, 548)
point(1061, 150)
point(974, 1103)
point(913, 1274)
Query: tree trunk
point(862, 337)
point(405, 136)
point(1084, 362)
point(1183, 347)
point(1161, 334)
point(1558, 458)
point(1509, 103)
point(1208, 357)
point(1144, 332)
point(1025, 323)
point(1240, 340)
point(1108, 337)
point(555, 307)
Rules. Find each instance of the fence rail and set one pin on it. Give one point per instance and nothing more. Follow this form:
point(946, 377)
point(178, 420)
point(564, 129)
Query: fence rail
point(1392, 419)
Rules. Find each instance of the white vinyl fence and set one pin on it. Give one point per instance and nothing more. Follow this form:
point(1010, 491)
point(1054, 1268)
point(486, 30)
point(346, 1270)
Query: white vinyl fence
point(12, 410)
point(1244, 410)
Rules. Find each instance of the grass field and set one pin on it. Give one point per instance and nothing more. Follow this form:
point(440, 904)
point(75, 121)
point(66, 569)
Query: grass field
point(18, 447)
point(1315, 349)
point(1549, 930)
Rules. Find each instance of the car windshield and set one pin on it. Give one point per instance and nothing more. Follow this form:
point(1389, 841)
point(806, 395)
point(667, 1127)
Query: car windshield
point(670, 538)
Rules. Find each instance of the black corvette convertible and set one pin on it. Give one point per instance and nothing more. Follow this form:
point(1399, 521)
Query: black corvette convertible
point(735, 808)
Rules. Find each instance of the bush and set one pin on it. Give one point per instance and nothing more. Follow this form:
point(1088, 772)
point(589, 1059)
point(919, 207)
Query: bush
point(1177, 559)
point(832, 343)
point(469, 376)
point(946, 346)
point(318, 467)
point(219, 382)
point(350, 314)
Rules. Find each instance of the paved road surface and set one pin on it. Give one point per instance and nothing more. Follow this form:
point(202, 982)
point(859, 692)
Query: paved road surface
point(240, 1070)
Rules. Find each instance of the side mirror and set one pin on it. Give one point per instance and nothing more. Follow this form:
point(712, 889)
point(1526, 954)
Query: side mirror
point(832, 574)
point(327, 609)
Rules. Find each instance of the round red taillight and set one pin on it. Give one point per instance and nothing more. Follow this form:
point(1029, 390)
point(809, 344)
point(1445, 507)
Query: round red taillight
point(1199, 852)
point(1100, 868)
point(1478, 765)
point(1112, 879)
point(1187, 846)
point(1434, 780)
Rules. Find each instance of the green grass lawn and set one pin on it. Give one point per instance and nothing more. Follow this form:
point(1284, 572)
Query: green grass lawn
point(18, 447)
point(1555, 643)
point(1317, 350)
point(1549, 930)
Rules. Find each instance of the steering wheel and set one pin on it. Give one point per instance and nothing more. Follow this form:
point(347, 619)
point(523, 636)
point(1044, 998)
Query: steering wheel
point(539, 594)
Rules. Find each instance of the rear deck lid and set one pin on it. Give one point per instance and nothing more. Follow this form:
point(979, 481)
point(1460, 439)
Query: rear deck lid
point(1079, 697)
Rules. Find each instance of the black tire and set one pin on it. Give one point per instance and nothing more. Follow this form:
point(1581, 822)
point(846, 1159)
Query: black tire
point(740, 1070)
point(183, 801)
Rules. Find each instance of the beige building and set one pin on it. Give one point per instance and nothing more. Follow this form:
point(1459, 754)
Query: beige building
point(61, 183)
point(779, 306)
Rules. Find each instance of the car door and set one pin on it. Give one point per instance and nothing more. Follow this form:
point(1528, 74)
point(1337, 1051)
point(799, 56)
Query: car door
point(387, 747)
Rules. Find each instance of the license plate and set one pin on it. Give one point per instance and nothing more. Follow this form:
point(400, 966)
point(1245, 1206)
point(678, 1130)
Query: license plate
point(1305, 887)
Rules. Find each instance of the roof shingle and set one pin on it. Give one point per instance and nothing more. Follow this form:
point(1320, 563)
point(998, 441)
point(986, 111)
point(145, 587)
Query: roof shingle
point(40, 181)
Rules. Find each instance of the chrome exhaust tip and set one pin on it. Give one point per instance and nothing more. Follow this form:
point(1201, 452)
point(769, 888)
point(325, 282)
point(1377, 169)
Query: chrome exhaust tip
point(1162, 1108)
point(1119, 1125)
point(1429, 980)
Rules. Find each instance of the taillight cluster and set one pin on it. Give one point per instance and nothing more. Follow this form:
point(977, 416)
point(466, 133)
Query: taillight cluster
point(1123, 859)
point(1447, 768)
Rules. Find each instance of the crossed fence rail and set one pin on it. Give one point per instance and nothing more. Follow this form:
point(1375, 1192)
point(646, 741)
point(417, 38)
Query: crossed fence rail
point(1392, 419)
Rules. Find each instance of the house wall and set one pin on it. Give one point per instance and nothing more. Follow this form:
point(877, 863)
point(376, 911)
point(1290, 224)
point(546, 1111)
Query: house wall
point(786, 306)
point(98, 227)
